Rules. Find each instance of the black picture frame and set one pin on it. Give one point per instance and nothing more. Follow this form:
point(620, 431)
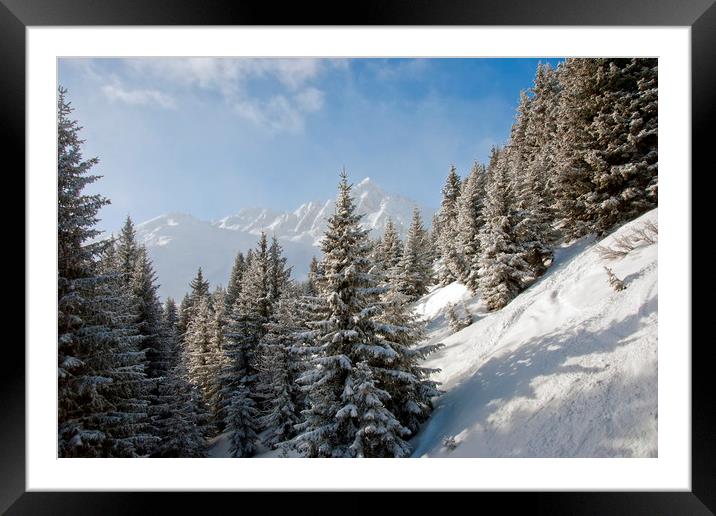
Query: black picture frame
point(700, 15)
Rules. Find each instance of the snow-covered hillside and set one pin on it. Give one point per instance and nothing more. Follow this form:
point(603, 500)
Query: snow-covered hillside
point(567, 369)
point(178, 243)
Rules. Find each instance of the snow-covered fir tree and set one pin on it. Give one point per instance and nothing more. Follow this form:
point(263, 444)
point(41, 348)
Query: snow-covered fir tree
point(218, 323)
point(183, 315)
point(241, 422)
point(415, 269)
point(102, 411)
point(407, 382)
point(314, 277)
point(279, 272)
point(502, 269)
point(249, 315)
point(204, 357)
point(607, 160)
point(339, 412)
point(148, 313)
point(541, 138)
point(469, 223)
point(448, 242)
point(433, 233)
point(170, 315)
point(185, 425)
point(246, 326)
point(138, 316)
point(378, 433)
point(183, 420)
point(170, 324)
point(578, 106)
point(455, 321)
point(532, 227)
point(389, 249)
point(282, 365)
point(198, 289)
point(243, 331)
point(517, 154)
point(623, 155)
point(279, 282)
point(127, 250)
point(234, 286)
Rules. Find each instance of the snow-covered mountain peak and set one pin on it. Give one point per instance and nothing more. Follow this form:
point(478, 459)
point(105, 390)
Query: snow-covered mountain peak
point(169, 219)
point(368, 185)
point(161, 230)
point(307, 223)
point(179, 243)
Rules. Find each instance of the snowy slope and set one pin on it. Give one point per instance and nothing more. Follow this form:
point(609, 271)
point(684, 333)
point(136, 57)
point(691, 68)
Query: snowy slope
point(178, 243)
point(567, 369)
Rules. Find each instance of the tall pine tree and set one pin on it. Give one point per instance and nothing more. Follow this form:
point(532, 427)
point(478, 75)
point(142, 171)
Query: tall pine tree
point(234, 287)
point(416, 263)
point(102, 411)
point(446, 229)
point(183, 419)
point(204, 358)
point(469, 223)
point(502, 268)
point(407, 383)
point(282, 365)
point(246, 325)
point(346, 416)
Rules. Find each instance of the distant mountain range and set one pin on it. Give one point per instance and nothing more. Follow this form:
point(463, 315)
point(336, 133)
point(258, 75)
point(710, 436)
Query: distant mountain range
point(179, 243)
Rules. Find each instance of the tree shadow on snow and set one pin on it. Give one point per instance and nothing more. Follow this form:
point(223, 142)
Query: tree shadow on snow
point(596, 421)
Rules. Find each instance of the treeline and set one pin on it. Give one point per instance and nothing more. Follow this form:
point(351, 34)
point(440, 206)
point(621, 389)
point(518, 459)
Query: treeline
point(581, 158)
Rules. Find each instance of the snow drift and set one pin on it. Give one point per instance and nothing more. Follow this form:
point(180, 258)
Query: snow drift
point(567, 369)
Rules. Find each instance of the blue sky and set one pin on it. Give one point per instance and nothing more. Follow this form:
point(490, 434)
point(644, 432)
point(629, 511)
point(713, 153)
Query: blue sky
point(210, 136)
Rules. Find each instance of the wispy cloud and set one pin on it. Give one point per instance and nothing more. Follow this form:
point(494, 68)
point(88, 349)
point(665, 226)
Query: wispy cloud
point(284, 106)
point(276, 114)
point(229, 75)
point(281, 113)
point(138, 97)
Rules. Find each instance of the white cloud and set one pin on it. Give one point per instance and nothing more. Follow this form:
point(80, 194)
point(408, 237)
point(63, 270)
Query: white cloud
point(275, 94)
point(280, 113)
point(115, 92)
point(282, 110)
point(229, 75)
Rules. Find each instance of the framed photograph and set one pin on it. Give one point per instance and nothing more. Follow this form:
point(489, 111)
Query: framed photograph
point(434, 238)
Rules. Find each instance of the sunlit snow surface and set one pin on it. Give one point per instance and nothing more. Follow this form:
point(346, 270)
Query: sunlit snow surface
point(567, 369)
